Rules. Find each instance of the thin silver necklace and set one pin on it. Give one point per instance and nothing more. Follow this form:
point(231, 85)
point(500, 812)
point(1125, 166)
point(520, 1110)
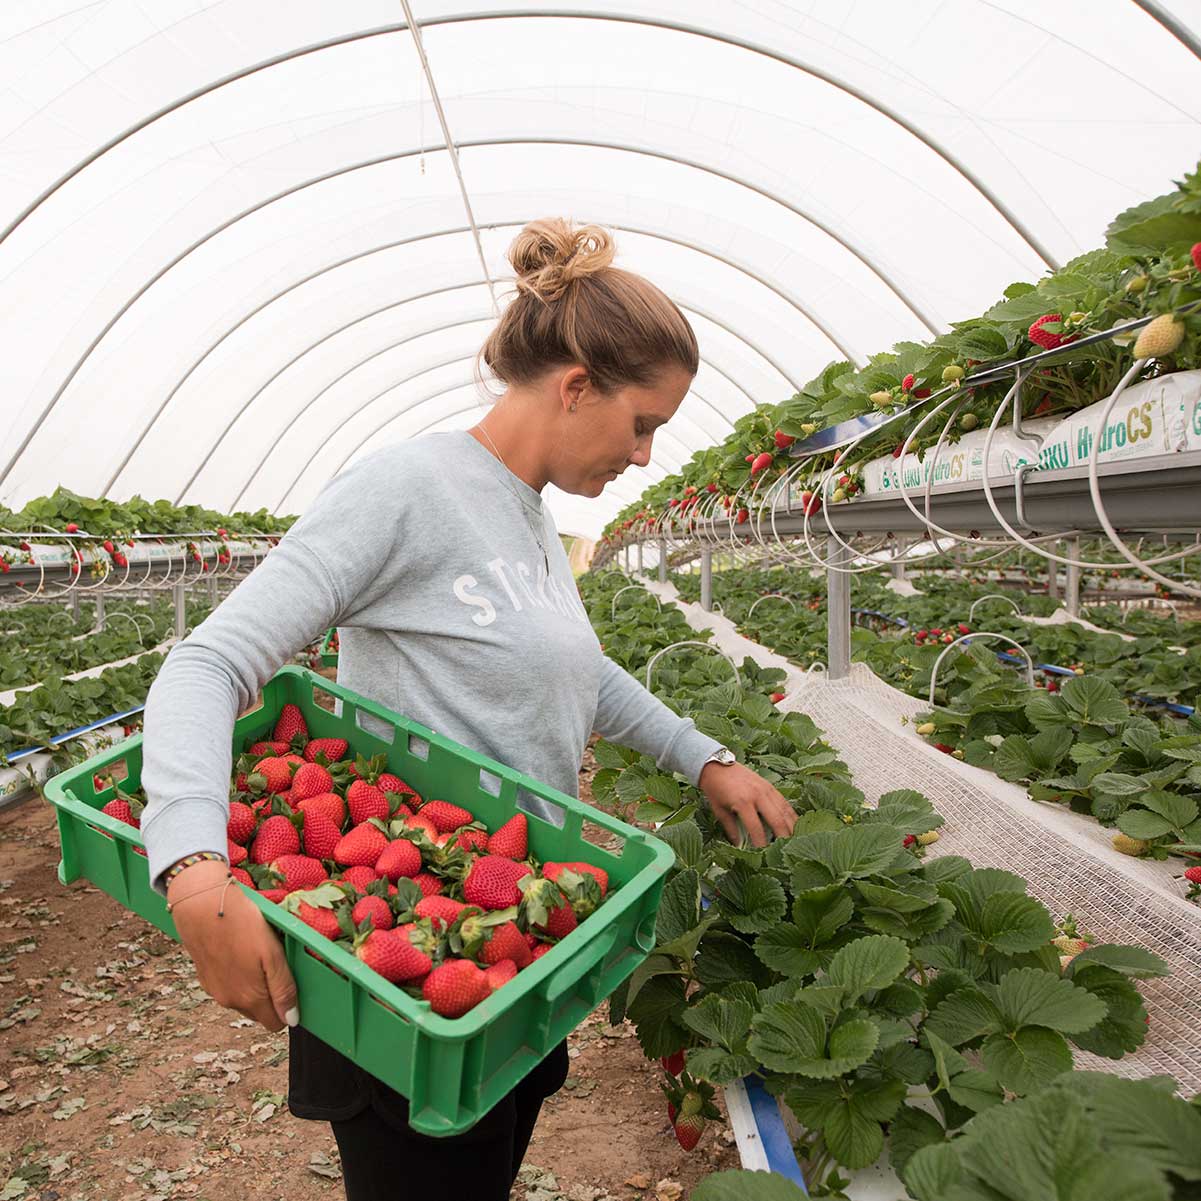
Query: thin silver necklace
point(525, 504)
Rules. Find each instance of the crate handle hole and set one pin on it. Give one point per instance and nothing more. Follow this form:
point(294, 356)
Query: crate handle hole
point(536, 806)
point(377, 727)
point(323, 698)
point(604, 839)
point(419, 747)
point(490, 782)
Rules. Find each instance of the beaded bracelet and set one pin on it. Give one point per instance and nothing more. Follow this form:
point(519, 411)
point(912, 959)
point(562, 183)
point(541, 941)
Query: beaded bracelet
point(188, 860)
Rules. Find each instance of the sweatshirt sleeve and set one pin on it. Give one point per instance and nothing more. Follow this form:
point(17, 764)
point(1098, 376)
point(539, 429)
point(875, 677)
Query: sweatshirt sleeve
point(628, 714)
point(217, 672)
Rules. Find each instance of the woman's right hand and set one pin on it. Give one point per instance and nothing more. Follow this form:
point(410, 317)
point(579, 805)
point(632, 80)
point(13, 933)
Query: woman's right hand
point(239, 959)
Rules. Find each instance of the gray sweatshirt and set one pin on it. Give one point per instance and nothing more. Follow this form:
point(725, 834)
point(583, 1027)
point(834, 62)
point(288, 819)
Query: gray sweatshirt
point(426, 556)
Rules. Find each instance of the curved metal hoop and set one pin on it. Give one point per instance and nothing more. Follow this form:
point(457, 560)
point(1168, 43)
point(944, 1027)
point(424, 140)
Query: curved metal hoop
point(983, 634)
point(708, 646)
point(993, 596)
point(771, 596)
point(638, 587)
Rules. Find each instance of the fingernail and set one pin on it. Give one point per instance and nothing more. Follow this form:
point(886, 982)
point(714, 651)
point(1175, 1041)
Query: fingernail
point(292, 1017)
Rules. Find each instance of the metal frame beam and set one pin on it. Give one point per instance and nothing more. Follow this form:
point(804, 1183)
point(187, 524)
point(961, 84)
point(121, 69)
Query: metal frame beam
point(296, 416)
point(454, 231)
point(765, 51)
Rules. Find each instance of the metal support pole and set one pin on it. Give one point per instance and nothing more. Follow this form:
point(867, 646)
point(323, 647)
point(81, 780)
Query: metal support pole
point(1053, 579)
point(213, 591)
point(100, 612)
point(75, 606)
point(898, 566)
point(1071, 590)
point(662, 560)
point(707, 580)
point(181, 619)
point(639, 558)
point(838, 612)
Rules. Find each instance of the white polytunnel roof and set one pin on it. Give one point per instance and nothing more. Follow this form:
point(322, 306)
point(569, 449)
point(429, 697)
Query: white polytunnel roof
point(237, 252)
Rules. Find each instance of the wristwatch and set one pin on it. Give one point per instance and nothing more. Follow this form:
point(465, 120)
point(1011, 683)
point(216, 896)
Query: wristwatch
point(724, 756)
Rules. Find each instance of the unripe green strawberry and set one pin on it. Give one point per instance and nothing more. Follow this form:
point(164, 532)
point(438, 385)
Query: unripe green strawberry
point(1130, 846)
point(926, 729)
point(952, 374)
point(928, 839)
point(881, 399)
point(969, 421)
point(1161, 338)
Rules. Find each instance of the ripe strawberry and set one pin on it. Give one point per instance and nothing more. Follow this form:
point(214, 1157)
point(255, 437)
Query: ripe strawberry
point(320, 835)
point(277, 836)
point(1195, 254)
point(908, 840)
point(964, 629)
point(740, 518)
point(71, 528)
point(360, 878)
point(921, 393)
point(492, 882)
point(332, 749)
point(242, 876)
point(328, 803)
point(361, 847)
point(499, 974)
point(689, 1128)
point(442, 911)
point(552, 871)
point(673, 1063)
point(907, 383)
point(394, 958)
point(512, 839)
point(298, 872)
point(1045, 338)
point(429, 884)
point(783, 441)
point(455, 988)
point(276, 774)
point(506, 942)
point(291, 722)
point(274, 895)
point(122, 810)
point(310, 780)
point(388, 782)
point(425, 825)
point(323, 920)
point(375, 908)
point(445, 816)
point(541, 949)
point(365, 800)
point(561, 921)
point(473, 839)
point(776, 697)
point(761, 463)
point(1193, 874)
point(400, 858)
point(241, 822)
point(260, 749)
point(236, 854)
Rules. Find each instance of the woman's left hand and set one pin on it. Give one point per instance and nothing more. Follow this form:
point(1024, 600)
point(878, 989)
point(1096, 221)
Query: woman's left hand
point(735, 793)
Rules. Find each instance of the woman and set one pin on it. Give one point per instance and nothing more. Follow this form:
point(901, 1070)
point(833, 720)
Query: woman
point(444, 572)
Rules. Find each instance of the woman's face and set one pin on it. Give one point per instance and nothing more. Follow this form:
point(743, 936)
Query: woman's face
point(609, 432)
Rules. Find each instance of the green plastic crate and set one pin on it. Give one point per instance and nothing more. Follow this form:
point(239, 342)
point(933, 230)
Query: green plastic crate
point(452, 1071)
point(329, 657)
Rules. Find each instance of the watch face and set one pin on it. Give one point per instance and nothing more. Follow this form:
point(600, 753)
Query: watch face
point(725, 755)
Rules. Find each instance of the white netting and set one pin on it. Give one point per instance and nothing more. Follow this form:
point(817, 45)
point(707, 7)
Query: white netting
point(1065, 857)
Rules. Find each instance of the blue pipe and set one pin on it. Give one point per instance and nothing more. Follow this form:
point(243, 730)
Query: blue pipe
point(59, 739)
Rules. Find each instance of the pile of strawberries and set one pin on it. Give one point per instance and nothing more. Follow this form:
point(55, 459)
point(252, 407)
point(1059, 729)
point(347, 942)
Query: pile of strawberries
point(935, 634)
point(416, 888)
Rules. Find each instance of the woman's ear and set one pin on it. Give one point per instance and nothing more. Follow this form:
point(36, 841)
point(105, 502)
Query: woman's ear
point(573, 384)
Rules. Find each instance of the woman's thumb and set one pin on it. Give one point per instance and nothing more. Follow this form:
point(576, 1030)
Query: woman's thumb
point(280, 985)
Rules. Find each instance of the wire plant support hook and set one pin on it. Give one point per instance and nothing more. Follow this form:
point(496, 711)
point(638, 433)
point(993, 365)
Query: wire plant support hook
point(967, 638)
point(708, 646)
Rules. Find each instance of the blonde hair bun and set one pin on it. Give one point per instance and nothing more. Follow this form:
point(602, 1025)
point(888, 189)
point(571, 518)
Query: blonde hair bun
point(551, 254)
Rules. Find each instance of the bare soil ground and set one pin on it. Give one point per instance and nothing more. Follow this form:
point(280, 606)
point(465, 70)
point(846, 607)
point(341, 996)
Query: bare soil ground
point(121, 1081)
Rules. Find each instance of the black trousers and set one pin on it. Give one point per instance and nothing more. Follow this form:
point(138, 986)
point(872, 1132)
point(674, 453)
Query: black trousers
point(383, 1159)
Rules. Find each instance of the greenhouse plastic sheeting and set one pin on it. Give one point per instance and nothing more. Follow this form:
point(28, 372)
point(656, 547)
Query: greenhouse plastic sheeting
point(1066, 858)
point(231, 230)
